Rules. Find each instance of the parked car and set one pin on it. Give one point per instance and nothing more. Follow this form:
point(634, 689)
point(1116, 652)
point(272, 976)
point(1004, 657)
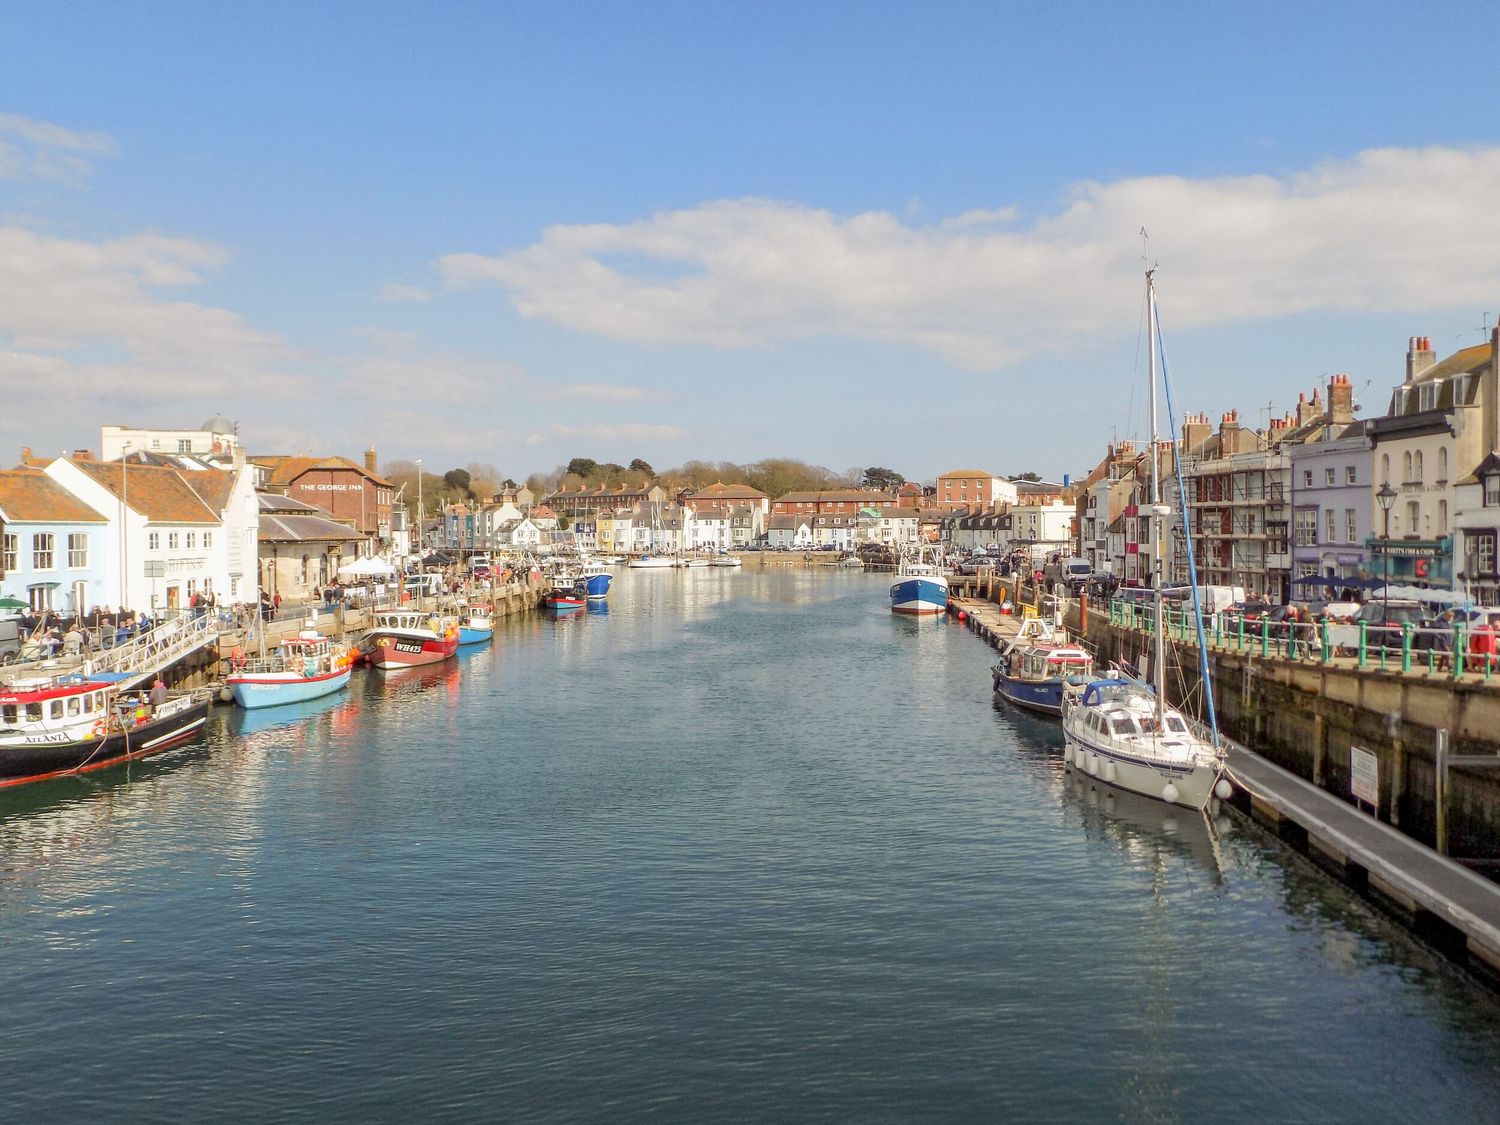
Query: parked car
point(1248, 611)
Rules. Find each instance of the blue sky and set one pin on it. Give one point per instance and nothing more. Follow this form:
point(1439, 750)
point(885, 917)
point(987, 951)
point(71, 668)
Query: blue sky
point(902, 235)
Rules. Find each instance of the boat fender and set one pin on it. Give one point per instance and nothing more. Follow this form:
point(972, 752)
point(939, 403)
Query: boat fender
point(98, 730)
point(1223, 790)
point(1169, 793)
point(1109, 771)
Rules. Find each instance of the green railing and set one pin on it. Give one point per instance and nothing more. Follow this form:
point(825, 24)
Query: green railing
point(1429, 651)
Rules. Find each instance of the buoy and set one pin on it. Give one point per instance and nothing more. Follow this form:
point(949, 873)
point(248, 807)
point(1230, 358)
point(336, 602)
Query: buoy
point(225, 695)
point(1169, 793)
point(1223, 790)
point(962, 616)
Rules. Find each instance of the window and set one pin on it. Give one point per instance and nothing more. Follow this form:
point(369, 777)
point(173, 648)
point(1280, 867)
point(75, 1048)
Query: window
point(184, 445)
point(1406, 466)
point(1306, 570)
point(171, 540)
point(1385, 467)
point(1492, 490)
point(208, 540)
point(192, 540)
point(1306, 530)
point(1349, 475)
point(1427, 396)
point(1330, 526)
point(153, 541)
point(1328, 477)
point(10, 548)
point(1482, 553)
point(1443, 464)
point(1417, 461)
point(1442, 527)
point(78, 549)
point(1351, 524)
point(1413, 517)
point(41, 551)
point(1306, 478)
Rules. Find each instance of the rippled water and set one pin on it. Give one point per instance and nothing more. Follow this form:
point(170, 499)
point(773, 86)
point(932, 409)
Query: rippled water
point(744, 846)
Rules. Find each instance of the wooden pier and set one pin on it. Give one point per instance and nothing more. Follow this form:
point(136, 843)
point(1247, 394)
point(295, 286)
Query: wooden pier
point(1444, 902)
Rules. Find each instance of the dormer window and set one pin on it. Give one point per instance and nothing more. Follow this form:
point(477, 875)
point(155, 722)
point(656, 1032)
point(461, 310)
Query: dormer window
point(1427, 396)
point(1492, 490)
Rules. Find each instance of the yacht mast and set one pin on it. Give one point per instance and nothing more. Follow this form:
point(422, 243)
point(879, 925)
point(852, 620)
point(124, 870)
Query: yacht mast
point(1158, 512)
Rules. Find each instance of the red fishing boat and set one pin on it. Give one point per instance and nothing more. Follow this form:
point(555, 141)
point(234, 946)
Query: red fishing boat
point(405, 638)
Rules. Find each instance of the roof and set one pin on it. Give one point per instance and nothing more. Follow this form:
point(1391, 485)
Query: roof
point(837, 495)
point(965, 473)
point(286, 470)
point(276, 502)
point(1463, 361)
point(31, 496)
point(162, 495)
point(282, 527)
point(721, 491)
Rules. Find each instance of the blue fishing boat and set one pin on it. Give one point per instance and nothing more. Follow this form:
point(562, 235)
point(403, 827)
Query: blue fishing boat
point(303, 667)
point(475, 625)
point(1035, 676)
point(920, 587)
point(593, 580)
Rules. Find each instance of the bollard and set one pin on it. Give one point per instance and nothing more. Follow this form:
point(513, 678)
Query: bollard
point(1363, 630)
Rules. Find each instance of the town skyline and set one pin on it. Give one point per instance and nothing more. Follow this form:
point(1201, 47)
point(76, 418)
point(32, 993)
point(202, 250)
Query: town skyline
point(681, 234)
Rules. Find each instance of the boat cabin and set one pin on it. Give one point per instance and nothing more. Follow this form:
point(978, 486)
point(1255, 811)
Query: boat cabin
point(55, 709)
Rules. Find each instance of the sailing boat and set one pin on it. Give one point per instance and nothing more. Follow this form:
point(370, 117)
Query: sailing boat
point(1122, 731)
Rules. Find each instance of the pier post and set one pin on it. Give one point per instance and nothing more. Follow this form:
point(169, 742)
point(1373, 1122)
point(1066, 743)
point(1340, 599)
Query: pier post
point(1440, 785)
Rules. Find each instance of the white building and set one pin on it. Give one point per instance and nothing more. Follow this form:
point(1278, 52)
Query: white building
point(217, 437)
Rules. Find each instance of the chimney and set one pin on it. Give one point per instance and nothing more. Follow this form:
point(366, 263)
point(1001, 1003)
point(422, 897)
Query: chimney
point(1195, 431)
point(370, 461)
point(1229, 433)
point(25, 454)
point(83, 454)
point(1419, 356)
point(1340, 401)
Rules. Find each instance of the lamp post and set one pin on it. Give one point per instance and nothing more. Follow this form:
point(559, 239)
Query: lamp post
point(419, 511)
point(124, 522)
point(1385, 498)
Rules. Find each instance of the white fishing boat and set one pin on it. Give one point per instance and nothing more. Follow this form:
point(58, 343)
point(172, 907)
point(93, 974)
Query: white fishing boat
point(1122, 731)
point(921, 587)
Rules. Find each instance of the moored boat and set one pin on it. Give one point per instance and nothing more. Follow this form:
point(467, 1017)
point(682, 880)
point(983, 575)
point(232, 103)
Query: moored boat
point(476, 625)
point(651, 562)
point(1036, 676)
point(303, 667)
point(920, 587)
point(725, 560)
point(404, 638)
point(54, 726)
point(594, 579)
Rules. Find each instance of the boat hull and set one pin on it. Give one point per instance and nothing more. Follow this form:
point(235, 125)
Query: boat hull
point(475, 634)
point(275, 688)
point(919, 597)
point(1043, 696)
point(595, 587)
point(393, 650)
point(1193, 781)
point(174, 724)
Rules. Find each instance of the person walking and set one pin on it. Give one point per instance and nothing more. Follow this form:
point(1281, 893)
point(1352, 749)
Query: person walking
point(158, 694)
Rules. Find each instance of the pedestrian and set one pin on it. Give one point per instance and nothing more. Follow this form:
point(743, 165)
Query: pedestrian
point(72, 640)
point(158, 694)
point(276, 601)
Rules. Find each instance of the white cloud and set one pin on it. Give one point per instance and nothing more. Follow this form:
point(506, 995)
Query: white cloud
point(622, 431)
point(598, 392)
point(1390, 229)
point(40, 150)
point(397, 292)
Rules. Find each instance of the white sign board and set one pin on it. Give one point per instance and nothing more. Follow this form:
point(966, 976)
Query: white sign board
point(1364, 775)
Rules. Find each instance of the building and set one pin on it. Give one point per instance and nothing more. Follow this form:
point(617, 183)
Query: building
point(55, 550)
point(588, 500)
point(348, 491)
point(1331, 489)
point(971, 489)
point(1440, 426)
point(1478, 530)
point(749, 501)
point(793, 532)
point(216, 439)
point(301, 548)
point(838, 501)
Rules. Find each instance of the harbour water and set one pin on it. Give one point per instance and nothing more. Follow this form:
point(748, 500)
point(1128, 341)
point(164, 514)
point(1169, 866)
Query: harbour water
point(745, 845)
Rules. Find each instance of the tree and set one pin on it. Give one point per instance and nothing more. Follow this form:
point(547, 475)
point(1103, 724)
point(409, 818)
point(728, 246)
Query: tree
point(642, 467)
point(1027, 476)
point(457, 480)
point(582, 467)
point(881, 480)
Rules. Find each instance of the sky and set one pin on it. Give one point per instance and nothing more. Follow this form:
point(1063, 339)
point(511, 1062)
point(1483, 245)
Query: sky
point(904, 235)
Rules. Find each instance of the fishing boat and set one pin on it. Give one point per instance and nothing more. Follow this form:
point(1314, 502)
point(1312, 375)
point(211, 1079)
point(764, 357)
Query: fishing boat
point(52, 726)
point(725, 560)
point(594, 579)
point(1036, 676)
point(405, 638)
point(1122, 731)
point(651, 562)
point(920, 588)
point(303, 667)
point(564, 599)
point(476, 625)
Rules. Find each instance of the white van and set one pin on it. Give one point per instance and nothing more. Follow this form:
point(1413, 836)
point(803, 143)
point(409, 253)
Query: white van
point(1211, 599)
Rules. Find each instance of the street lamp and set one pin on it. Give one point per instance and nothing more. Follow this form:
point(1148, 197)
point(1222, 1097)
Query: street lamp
point(419, 511)
point(1385, 498)
point(124, 522)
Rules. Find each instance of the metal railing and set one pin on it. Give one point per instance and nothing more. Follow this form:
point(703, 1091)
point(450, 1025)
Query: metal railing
point(1429, 650)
